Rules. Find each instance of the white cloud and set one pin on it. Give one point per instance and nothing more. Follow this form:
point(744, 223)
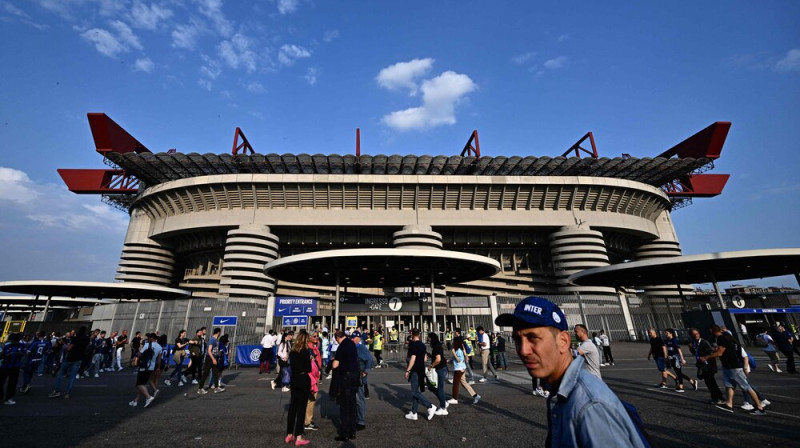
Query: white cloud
point(185, 36)
point(330, 35)
point(288, 6)
point(789, 62)
point(105, 42)
point(53, 205)
point(403, 74)
point(255, 87)
point(523, 58)
point(288, 54)
point(556, 63)
point(210, 68)
point(15, 186)
point(112, 44)
point(204, 83)
point(143, 65)
point(213, 10)
point(440, 96)
point(148, 17)
point(563, 37)
point(311, 76)
point(237, 52)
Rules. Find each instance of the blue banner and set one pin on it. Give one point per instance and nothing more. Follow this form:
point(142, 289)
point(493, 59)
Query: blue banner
point(295, 306)
point(793, 309)
point(295, 321)
point(247, 355)
point(224, 321)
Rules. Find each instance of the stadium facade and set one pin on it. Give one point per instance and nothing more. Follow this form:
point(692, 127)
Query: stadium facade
point(209, 223)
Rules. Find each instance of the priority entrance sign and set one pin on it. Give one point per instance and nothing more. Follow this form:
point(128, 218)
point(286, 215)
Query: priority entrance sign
point(295, 321)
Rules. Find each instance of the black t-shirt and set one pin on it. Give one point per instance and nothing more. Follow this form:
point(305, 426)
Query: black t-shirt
point(657, 347)
point(438, 350)
point(347, 356)
point(417, 348)
point(501, 344)
point(732, 356)
point(181, 341)
point(78, 350)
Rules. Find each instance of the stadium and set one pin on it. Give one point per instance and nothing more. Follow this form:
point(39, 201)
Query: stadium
point(208, 223)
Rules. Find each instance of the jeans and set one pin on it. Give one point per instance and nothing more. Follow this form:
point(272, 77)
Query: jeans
point(442, 379)
point(97, 361)
point(27, 373)
point(416, 395)
point(501, 360)
point(118, 359)
point(70, 368)
point(361, 407)
point(178, 367)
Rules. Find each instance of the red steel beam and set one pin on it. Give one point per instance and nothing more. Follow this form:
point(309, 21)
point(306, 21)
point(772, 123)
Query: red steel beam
point(244, 146)
point(469, 148)
point(704, 144)
point(697, 185)
point(578, 148)
point(110, 137)
point(85, 181)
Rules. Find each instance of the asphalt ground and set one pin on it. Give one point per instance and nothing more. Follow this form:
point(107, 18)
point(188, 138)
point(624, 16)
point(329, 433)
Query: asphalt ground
point(250, 414)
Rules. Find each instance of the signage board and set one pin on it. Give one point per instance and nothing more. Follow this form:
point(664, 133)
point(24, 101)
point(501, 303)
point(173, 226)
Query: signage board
point(469, 302)
point(383, 304)
point(224, 321)
point(295, 306)
point(352, 321)
point(295, 321)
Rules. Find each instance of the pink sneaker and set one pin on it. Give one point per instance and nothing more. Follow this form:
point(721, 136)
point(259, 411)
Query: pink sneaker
point(289, 438)
point(301, 442)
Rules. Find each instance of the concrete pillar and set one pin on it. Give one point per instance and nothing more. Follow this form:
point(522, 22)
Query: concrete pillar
point(144, 260)
point(574, 249)
point(666, 245)
point(247, 250)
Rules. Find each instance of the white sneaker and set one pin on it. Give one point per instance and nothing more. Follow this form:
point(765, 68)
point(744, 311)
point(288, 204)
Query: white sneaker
point(194, 381)
point(546, 394)
point(221, 384)
point(476, 399)
point(482, 380)
point(11, 402)
point(148, 401)
point(471, 382)
point(441, 411)
point(202, 391)
point(765, 402)
point(219, 390)
point(78, 376)
point(432, 411)
point(779, 370)
point(168, 382)
point(284, 389)
point(272, 383)
point(747, 407)
point(183, 379)
point(97, 375)
point(329, 377)
point(133, 403)
point(411, 416)
point(771, 369)
point(181, 383)
point(539, 391)
point(449, 381)
point(156, 393)
point(452, 401)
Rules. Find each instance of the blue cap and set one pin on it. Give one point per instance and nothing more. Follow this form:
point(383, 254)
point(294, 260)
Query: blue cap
point(534, 312)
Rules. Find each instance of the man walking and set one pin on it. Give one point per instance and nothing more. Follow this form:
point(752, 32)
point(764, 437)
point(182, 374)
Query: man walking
point(345, 385)
point(658, 350)
point(267, 344)
point(502, 362)
point(146, 358)
point(706, 369)
point(485, 346)
point(785, 340)
point(75, 353)
point(37, 351)
point(119, 347)
point(588, 350)
point(729, 352)
point(415, 374)
point(365, 364)
point(582, 410)
point(196, 351)
point(136, 343)
point(212, 363)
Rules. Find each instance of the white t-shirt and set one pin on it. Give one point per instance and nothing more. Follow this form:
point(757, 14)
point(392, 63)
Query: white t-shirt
point(604, 340)
point(484, 338)
point(268, 341)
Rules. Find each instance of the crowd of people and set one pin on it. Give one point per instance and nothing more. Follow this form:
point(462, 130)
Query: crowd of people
point(567, 373)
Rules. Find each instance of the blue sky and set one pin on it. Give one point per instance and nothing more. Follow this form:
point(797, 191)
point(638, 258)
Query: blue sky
point(416, 76)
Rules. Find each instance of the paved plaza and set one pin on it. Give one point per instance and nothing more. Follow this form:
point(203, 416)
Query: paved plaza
point(250, 414)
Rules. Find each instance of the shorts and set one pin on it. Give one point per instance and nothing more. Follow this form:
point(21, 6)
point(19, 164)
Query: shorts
point(142, 377)
point(662, 366)
point(735, 377)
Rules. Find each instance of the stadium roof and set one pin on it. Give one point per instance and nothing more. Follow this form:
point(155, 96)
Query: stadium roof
point(382, 267)
point(96, 290)
point(153, 169)
point(702, 268)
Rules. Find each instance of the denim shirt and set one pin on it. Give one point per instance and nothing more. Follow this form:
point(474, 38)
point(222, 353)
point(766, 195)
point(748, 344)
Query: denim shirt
point(586, 413)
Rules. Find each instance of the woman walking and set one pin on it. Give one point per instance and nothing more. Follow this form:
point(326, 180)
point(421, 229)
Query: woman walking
point(439, 364)
point(459, 367)
point(300, 385)
point(677, 361)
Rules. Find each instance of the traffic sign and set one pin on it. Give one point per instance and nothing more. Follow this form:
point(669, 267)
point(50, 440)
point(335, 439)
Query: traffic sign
point(224, 321)
point(295, 321)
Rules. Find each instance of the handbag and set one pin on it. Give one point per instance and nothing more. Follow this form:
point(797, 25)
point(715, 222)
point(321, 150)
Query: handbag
point(432, 378)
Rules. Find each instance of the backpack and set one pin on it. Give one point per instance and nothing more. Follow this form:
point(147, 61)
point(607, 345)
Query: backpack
point(468, 349)
point(761, 340)
point(142, 360)
point(636, 419)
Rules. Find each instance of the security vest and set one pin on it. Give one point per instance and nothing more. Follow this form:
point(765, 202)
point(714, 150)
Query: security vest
point(448, 336)
point(393, 335)
point(377, 343)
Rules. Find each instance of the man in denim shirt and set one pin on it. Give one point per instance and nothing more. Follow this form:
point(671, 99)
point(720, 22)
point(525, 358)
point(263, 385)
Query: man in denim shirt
point(581, 411)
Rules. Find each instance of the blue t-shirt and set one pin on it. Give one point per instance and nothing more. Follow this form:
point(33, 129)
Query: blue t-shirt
point(38, 349)
point(214, 344)
point(672, 348)
point(12, 355)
